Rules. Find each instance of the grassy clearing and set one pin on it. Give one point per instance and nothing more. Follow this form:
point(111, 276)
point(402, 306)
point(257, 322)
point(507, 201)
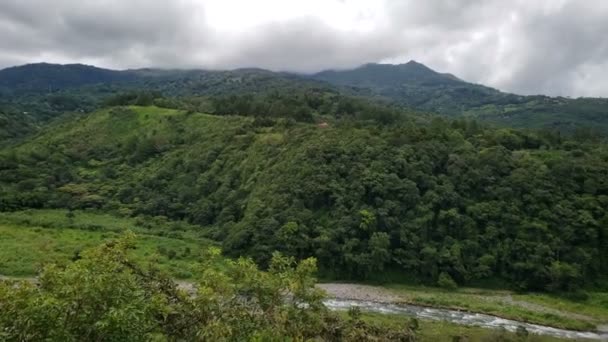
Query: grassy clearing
point(596, 305)
point(96, 221)
point(505, 304)
point(29, 240)
point(433, 331)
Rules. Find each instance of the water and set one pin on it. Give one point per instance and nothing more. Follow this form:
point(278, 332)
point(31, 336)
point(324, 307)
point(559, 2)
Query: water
point(461, 317)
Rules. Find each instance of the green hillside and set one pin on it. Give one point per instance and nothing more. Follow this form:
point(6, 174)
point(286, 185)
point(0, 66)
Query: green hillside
point(417, 86)
point(443, 201)
point(33, 95)
point(47, 78)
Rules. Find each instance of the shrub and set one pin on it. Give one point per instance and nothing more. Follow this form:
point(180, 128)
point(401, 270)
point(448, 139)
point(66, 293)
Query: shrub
point(104, 296)
point(446, 282)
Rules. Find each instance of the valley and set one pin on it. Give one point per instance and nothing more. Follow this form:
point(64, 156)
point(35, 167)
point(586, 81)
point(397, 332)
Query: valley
point(299, 171)
point(35, 238)
point(465, 221)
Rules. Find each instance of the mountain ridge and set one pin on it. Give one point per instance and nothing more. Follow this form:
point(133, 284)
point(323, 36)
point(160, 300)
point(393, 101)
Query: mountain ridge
point(419, 68)
point(47, 76)
point(389, 74)
point(412, 85)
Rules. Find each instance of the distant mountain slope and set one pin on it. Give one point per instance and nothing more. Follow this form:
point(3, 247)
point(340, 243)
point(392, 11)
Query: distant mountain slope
point(415, 85)
point(45, 91)
point(35, 93)
point(388, 75)
point(52, 77)
point(30, 95)
point(44, 78)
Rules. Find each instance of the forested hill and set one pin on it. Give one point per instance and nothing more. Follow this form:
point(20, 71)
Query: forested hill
point(388, 75)
point(32, 94)
point(443, 201)
point(417, 86)
point(49, 78)
point(46, 79)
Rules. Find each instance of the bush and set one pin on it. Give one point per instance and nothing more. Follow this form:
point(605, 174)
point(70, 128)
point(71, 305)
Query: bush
point(104, 296)
point(446, 282)
point(171, 254)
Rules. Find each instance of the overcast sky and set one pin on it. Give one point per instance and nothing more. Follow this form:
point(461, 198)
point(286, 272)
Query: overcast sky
point(555, 47)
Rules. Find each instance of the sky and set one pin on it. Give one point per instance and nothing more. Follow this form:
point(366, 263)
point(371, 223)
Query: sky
point(553, 47)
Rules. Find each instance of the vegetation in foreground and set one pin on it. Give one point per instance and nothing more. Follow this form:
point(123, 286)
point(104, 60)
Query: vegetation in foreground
point(34, 238)
point(107, 296)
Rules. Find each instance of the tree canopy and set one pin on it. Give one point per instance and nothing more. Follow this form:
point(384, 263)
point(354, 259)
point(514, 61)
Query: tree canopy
point(435, 201)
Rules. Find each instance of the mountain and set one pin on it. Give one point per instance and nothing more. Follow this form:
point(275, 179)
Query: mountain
point(30, 95)
point(413, 84)
point(44, 77)
point(388, 75)
point(417, 86)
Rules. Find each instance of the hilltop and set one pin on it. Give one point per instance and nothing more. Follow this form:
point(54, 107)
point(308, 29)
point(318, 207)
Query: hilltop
point(45, 77)
point(388, 75)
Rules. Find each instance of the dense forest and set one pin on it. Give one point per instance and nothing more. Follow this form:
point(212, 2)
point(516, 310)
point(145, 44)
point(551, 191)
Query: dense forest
point(365, 188)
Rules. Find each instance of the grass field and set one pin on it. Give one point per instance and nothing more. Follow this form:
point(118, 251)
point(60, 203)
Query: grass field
point(533, 308)
point(432, 331)
point(102, 222)
point(31, 239)
point(596, 305)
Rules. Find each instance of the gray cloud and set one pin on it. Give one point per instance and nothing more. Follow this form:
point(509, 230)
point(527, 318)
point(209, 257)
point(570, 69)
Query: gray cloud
point(113, 32)
point(556, 47)
point(306, 45)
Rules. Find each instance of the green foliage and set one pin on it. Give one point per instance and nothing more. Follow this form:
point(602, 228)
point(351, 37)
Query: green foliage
point(33, 239)
point(422, 199)
point(303, 106)
point(446, 282)
point(105, 296)
point(31, 95)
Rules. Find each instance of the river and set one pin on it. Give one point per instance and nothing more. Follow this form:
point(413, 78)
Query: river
point(460, 317)
point(373, 299)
